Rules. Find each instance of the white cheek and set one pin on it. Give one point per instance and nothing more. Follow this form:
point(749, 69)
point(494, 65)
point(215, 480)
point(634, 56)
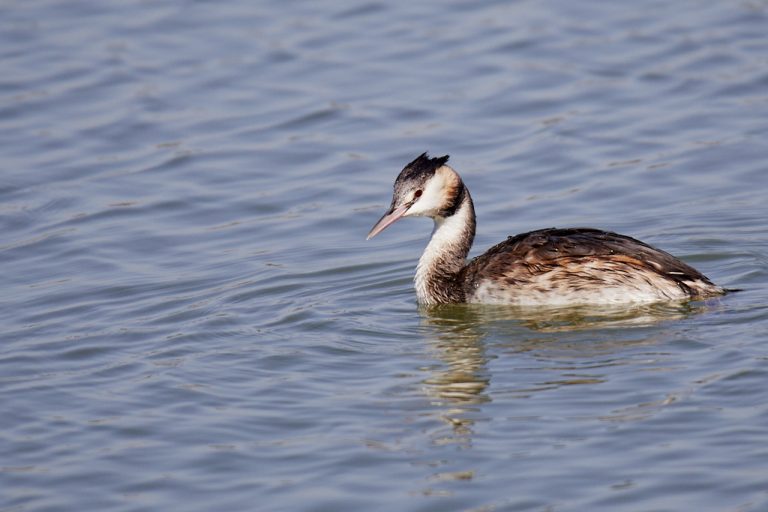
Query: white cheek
point(431, 199)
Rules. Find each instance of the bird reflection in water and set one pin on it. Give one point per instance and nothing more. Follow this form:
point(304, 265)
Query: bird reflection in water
point(552, 347)
point(458, 385)
point(457, 333)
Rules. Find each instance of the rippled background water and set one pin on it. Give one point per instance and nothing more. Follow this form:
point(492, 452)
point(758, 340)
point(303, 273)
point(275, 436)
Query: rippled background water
point(193, 321)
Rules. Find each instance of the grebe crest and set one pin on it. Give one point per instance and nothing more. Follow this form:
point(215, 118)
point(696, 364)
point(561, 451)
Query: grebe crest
point(543, 267)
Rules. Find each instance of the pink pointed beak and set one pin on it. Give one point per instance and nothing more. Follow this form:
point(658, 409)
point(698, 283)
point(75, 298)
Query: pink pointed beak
point(387, 219)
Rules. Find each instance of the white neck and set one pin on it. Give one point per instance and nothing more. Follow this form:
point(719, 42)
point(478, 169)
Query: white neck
point(445, 256)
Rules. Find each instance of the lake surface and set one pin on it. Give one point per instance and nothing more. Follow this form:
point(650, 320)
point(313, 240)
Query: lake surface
point(192, 318)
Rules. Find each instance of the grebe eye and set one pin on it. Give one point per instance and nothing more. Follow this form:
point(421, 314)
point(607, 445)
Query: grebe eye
point(417, 193)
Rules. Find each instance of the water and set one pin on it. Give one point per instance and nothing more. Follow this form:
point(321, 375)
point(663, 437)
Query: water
point(192, 319)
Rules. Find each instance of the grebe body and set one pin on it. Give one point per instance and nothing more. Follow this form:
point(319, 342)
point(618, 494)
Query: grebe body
point(544, 267)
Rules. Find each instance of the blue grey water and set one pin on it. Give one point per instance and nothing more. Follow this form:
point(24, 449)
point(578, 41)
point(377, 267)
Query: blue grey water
point(192, 318)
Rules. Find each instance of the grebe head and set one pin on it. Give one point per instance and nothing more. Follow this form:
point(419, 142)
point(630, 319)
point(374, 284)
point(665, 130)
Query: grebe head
point(426, 187)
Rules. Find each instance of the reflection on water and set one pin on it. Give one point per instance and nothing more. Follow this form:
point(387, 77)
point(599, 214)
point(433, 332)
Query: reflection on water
point(561, 360)
point(459, 334)
point(459, 384)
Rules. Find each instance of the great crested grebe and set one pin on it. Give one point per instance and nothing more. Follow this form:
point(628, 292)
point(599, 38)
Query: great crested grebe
point(544, 267)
